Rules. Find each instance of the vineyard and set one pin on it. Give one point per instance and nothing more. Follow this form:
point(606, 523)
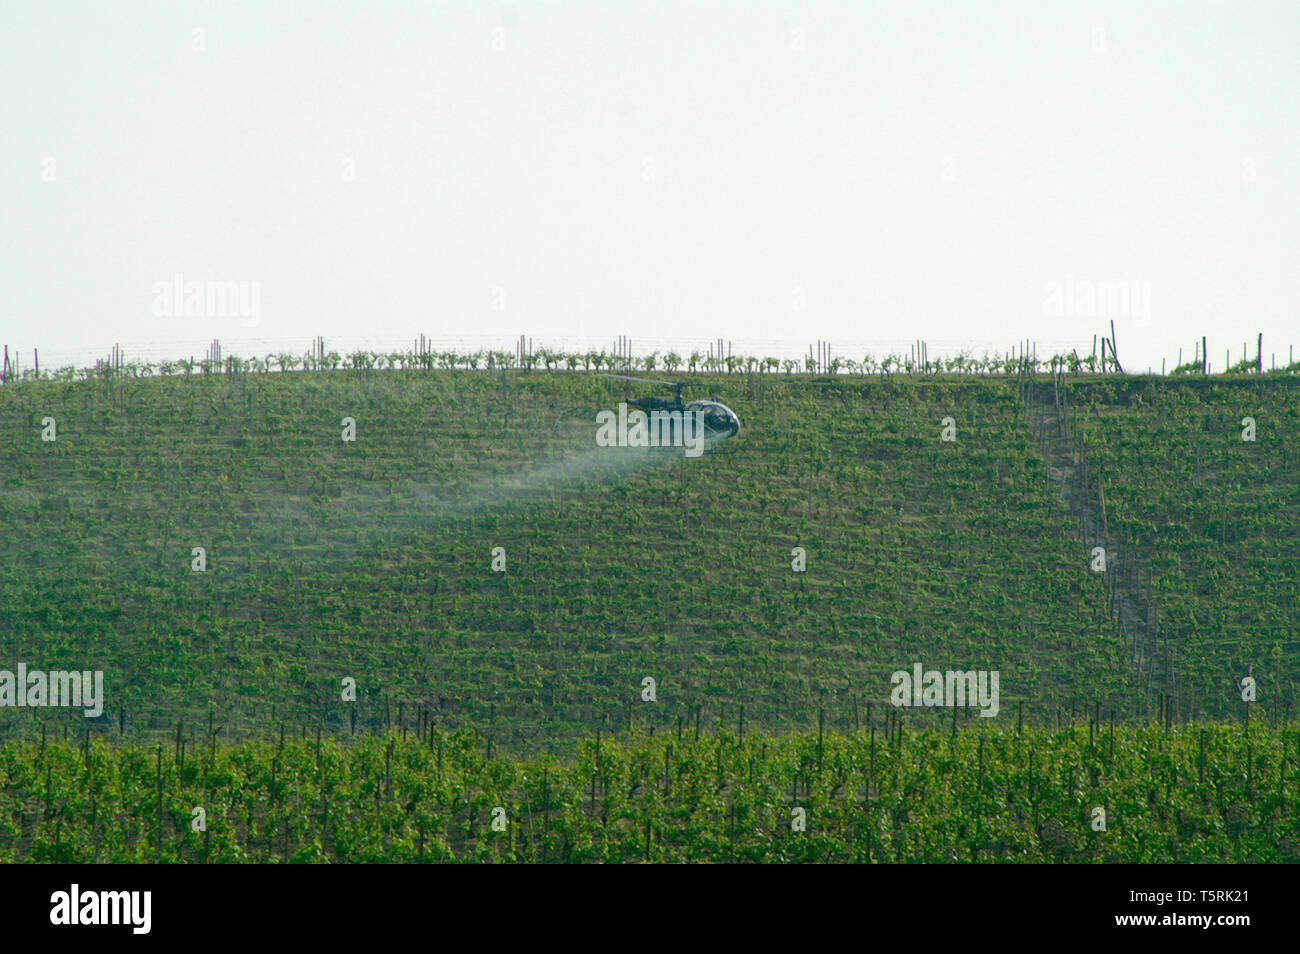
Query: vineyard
point(496, 590)
point(1088, 793)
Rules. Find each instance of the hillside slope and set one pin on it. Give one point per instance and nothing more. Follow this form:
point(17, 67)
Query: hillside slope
point(372, 560)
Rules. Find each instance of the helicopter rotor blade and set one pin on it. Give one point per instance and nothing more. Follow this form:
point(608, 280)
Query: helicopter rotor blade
point(625, 377)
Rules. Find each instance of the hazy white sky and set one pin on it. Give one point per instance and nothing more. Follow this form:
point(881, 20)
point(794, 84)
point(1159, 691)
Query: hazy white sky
point(859, 172)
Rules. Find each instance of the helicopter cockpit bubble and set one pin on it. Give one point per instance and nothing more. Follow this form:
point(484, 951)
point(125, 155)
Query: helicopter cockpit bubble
point(719, 420)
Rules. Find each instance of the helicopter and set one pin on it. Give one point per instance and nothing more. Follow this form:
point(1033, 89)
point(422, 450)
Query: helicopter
point(720, 422)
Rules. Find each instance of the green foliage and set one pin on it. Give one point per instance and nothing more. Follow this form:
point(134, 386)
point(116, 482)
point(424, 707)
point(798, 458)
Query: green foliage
point(1187, 795)
point(371, 560)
